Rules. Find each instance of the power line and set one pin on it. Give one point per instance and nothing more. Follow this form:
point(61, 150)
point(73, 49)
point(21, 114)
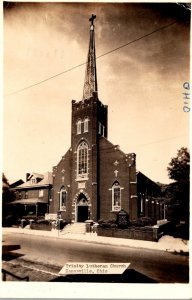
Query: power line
point(162, 140)
point(109, 149)
point(136, 40)
point(37, 83)
point(106, 53)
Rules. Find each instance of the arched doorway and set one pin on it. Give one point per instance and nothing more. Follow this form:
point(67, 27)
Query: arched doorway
point(82, 208)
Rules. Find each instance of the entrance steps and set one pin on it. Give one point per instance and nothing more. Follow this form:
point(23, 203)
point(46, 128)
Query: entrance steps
point(78, 228)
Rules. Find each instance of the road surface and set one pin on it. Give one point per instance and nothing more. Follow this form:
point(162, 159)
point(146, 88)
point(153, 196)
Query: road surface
point(46, 256)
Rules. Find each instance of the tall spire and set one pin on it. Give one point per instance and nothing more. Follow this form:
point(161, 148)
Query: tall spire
point(90, 84)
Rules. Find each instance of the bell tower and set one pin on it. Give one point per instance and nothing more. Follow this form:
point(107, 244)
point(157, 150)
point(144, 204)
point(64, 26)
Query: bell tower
point(94, 179)
point(89, 123)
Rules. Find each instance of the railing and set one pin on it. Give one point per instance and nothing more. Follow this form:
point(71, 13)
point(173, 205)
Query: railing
point(5, 273)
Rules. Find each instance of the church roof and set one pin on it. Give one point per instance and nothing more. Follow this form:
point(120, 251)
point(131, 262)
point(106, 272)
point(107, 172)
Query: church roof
point(138, 173)
point(116, 147)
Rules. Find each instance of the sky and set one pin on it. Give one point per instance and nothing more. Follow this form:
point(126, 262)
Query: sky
point(142, 83)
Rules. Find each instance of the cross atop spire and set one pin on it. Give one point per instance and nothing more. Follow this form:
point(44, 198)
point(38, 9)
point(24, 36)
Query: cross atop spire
point(92, 19)
point(90, 83)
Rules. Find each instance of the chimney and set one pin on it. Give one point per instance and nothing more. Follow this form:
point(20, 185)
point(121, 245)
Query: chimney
point(27, 176)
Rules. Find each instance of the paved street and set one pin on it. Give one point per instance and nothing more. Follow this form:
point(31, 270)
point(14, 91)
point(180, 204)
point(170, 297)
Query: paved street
point(41, 258)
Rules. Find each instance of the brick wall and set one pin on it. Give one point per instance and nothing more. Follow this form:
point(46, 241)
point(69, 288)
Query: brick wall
point(116, 166)
point(145, 233)
point(62, 178)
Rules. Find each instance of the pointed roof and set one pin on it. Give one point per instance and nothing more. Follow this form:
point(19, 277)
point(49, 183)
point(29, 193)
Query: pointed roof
point(90, 83)
point(46, 180)
point(40, 176)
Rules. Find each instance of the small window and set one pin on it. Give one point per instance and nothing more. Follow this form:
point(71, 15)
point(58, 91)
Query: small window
point(41, 193)
point(20, 195)
point(86, 125)
point(26, 195)
point(116, 196)
point(103, 131)
point(33, 180)
point(142, 197)
point(100, 128)
point(142, 205)
point(79, 127)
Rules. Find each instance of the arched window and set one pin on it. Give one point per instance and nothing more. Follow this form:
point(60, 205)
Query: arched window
point(116, 196)
point(62, 198)
point(86, 124)
point(79, 127)
point(82, 160)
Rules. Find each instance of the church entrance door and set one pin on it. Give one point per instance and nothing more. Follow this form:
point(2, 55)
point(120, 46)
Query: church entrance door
point(82, 208)
point(82, 213)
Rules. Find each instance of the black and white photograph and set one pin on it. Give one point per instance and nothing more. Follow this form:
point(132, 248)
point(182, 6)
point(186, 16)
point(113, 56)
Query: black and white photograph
point(96, 149)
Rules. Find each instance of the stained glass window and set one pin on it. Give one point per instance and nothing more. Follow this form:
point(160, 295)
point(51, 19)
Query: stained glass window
point(82, 159)
point(62, 198)
point(116, 196)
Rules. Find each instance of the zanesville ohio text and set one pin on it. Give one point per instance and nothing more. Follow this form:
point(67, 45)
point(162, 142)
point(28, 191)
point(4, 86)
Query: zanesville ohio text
point(94, 268)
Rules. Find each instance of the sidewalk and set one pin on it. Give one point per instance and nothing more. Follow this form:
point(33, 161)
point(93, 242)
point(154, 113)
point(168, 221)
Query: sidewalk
point(166, 243)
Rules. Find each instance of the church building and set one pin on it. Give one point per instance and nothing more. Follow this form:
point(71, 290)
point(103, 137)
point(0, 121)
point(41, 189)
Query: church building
point(95, 179)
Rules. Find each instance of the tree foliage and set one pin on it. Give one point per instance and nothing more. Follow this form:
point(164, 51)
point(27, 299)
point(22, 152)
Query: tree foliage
point(178, 191)
point(179, 166)
point(7, 193)
point(5, 189)
point(7, 197)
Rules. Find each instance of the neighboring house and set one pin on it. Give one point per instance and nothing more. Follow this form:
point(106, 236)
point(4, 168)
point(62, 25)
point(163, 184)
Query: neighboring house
point(95, 179)
point(33, 197)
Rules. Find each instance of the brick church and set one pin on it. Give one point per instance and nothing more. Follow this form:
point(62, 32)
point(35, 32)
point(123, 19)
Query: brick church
point(95, 179)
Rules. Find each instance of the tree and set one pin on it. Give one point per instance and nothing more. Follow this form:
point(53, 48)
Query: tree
point(178, 191)
point(179, 166)
point(7, 197)
point(5, 189)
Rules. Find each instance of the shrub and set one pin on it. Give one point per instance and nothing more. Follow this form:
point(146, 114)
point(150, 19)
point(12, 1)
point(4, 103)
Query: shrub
point(114, 226)
point(111, 223)
point(43, 221)
point(143, 221)
point(10, 220)
point(101, 221)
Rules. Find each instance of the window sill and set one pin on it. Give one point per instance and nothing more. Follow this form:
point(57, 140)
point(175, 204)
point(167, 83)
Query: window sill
point(81, 179)
point(115, 210)
point(62, 209)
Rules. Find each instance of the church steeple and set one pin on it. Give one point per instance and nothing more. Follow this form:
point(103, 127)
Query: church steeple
point(90, 84)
